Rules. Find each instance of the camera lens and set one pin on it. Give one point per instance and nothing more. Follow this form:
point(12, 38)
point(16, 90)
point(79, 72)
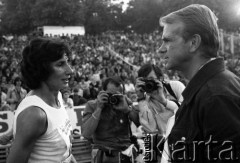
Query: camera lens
point(113, 100)
point(150, 86)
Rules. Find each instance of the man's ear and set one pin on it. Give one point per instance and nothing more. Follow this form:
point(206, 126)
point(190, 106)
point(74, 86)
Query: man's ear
point(195, 42)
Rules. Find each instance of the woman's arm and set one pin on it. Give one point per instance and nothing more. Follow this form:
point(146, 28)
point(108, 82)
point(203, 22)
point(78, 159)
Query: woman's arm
point(31, 124)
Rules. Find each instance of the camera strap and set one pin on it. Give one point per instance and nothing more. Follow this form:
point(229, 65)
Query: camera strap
point(170, 91)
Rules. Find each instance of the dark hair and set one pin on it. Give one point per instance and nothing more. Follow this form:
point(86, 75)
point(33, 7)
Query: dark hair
point(117, 81)
point(16, 80)
point(37, 57)
point(64, 90)
point(147, 68)
point(197, 19)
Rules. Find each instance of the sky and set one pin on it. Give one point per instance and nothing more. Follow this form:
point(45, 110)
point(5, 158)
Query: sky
point(124, 1)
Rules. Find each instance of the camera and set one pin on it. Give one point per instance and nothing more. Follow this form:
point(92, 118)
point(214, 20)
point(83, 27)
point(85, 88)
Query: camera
point(114, 99)
point(150, 85)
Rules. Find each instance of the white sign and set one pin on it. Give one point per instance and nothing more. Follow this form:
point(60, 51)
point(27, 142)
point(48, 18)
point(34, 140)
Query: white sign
point(63, 30)
point(6, 121)
point(75, 116)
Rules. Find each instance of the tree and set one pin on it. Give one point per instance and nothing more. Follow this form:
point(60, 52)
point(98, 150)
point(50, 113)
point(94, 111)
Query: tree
point(22, 16)
point(97, 16)
point(224, 9)
point(15, 17)
point(143, 15)
point(57, 12)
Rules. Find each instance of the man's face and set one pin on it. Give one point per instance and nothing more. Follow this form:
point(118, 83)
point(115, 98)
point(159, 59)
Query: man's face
point(111, 88)
point(174, 48)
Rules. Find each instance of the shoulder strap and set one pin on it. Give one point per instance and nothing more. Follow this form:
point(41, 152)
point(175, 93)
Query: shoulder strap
point(169, 89)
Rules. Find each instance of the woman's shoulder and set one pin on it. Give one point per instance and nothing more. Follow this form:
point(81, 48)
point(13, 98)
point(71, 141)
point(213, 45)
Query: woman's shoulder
point(34, 111)
point(31, 101)
point(32, 118)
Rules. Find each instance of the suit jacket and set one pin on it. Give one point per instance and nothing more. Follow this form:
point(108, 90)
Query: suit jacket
point(207, 124)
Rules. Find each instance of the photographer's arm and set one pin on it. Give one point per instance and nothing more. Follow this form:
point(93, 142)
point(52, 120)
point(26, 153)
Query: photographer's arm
point(160, 96)
point(146, 117)
point(91, 118)
point(92, 114)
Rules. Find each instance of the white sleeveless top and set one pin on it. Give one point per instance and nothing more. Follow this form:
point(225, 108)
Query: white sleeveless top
point(54, 145)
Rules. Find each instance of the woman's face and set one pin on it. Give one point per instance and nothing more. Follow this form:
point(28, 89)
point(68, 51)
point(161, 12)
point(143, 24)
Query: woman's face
point(18, 83)
point(61, 73)
point(66, 95)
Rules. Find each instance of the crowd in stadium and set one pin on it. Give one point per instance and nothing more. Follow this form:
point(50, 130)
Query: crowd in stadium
point(92, 61)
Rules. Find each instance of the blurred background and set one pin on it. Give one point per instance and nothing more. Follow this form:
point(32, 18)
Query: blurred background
point(129, 27)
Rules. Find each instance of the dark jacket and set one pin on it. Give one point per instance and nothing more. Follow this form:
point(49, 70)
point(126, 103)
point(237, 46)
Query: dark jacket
point(78, 100)
point(207, 124)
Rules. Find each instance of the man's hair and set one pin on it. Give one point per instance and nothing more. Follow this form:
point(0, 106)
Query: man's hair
point(197, 19)
point(115, 80)
point(37, 57)
point(147, 68)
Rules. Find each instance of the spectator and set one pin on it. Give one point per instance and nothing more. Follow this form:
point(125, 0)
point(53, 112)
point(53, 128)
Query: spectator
point(3, 101)
point(15, 95)
point(4, 84)
point(77, 99)
point(93, 90)
point(129, 87)
point(67, 101)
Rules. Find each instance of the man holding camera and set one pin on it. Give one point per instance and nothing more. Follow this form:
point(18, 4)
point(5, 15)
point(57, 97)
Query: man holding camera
point(156, 98)
point(106, 121)
point(158, 102)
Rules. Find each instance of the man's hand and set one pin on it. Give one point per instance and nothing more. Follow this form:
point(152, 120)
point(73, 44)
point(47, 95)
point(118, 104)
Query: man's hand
point(159, 93)
point(124, 104)
point(102, 99)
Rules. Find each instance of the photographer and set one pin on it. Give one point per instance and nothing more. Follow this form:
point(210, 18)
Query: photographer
point(106, 123)
point(157, 99)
